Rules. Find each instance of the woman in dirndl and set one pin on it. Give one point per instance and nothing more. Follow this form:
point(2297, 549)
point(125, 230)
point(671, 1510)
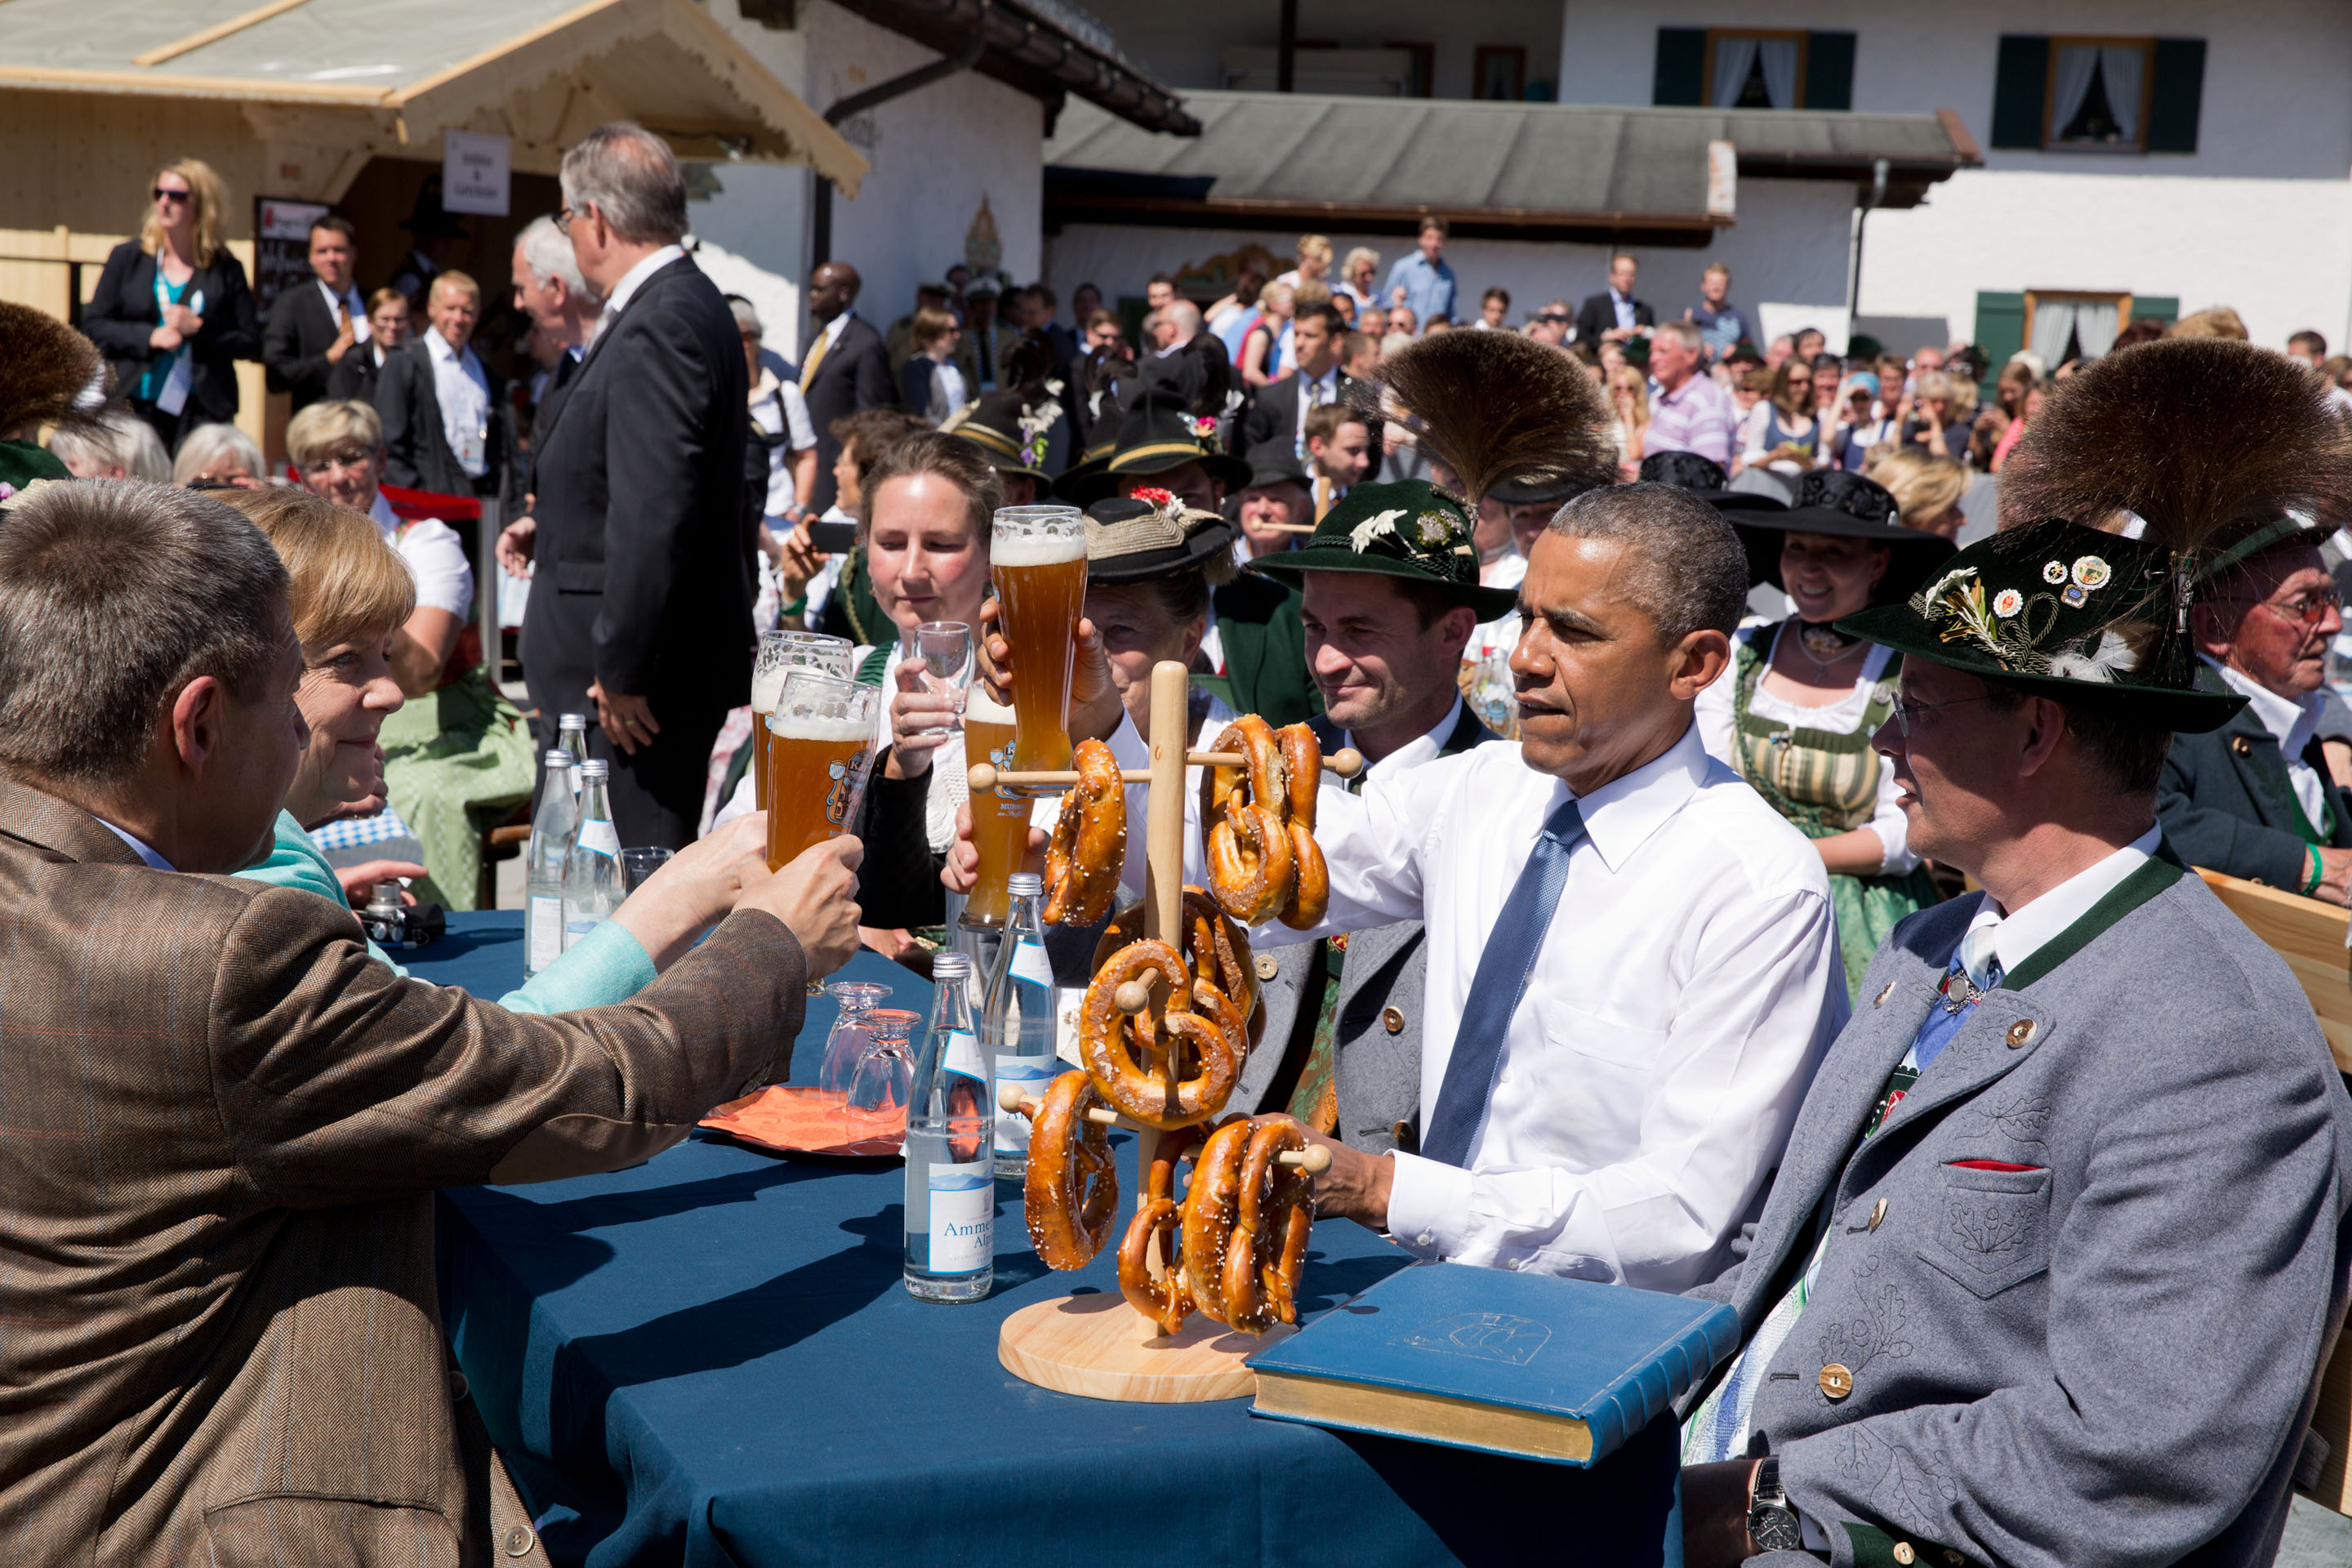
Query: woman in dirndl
point(1795, 713)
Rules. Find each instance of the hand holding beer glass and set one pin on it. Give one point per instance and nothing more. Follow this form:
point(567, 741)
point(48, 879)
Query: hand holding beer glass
point(1037, 563)
point(780, 653)
point(820, 745)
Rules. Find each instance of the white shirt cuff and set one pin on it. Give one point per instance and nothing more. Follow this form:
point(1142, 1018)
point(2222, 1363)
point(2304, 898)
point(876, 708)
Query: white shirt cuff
point(1428, 1203)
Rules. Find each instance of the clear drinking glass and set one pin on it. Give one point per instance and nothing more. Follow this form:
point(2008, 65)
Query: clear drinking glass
point(639, 864)
point(820, 747)
point(877, 1103)
point(945, 649)
point(850, 1035)
point(780, 654)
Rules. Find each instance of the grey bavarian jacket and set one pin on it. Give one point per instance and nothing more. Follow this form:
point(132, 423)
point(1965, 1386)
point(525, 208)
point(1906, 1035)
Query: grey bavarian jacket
point(2079, 1284)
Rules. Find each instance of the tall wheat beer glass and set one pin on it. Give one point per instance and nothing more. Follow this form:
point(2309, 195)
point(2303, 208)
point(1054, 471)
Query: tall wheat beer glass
point(820, 744)
point(1038, 561)
point(999, 816)
point(780, 654)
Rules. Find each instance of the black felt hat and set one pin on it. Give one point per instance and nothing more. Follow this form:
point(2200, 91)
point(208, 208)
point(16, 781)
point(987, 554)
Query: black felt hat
point(1014, 441)
point(1157, 434)
point(1150, 534)
point(1704, 477)
point(1274, 463)
point(1411, 529)
point(1849, 507)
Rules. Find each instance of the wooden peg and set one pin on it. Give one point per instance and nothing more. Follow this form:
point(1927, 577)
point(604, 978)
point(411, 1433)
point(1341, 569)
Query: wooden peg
point(985, 777)
point(1009, 1098)
point(1345, 763)
point(1314, 1159)
point(1132, 997)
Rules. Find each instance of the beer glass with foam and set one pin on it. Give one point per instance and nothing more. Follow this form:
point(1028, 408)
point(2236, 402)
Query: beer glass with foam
point(780, 654)
point(820, 745)
point(999, 816)
point(1037, 563)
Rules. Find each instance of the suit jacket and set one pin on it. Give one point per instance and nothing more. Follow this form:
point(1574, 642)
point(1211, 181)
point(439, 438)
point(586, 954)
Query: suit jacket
point(854, 373)
point(294, 346)
point(1598, 315)
point(2104, 1236)
point(355, 375)
point(416, 448)
point(123, 312)
point(225, 1123)
point(1265, 650)
point(641, 581)
point(1274, 412)
point(1376, 1029)
point(2227, 804)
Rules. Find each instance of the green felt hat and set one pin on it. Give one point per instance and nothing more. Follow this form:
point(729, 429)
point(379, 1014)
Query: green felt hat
point(1411, 529)
point(22, 464)
point(2065, 611)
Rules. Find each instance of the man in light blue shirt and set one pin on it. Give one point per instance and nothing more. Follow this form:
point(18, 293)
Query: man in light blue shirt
point(1423, 280)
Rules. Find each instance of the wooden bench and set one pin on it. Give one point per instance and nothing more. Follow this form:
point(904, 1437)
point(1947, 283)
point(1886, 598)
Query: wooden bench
point(2310, 936)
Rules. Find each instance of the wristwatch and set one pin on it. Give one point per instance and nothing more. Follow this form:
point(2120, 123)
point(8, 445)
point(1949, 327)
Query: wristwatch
point(1772, 1524)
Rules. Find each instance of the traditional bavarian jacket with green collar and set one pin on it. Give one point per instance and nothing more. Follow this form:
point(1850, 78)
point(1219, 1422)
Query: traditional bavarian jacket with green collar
point(2067, 1301)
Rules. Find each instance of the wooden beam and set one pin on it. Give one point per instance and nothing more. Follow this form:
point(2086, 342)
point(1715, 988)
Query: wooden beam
point(150, 84)
point(215, 33)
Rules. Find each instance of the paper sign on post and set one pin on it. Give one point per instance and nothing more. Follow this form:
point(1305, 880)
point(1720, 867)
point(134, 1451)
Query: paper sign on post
point(475, 172)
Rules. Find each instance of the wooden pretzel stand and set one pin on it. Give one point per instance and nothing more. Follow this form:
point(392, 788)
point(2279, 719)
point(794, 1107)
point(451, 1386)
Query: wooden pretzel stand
point(1097, 1345)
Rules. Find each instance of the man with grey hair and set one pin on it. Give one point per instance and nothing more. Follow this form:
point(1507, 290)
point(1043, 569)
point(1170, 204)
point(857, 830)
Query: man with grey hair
point(226, 1121)
point(549, 289)
point(640, 612)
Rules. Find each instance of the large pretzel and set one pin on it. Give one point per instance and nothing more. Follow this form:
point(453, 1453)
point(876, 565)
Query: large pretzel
point(1258, 824)
point(1071, 1190)
point(1165, 1299)
point(1168, 1066)
point(1273, 1212)
point(1214, 945)
point(1211, 1205)
point(1088, 849)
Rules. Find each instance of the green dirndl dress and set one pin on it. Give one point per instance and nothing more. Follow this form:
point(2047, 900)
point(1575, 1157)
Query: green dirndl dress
point(1827, 784)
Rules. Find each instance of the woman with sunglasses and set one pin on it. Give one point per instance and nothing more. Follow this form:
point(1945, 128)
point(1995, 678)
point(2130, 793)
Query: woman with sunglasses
point(172, 313)
point(1795, 713)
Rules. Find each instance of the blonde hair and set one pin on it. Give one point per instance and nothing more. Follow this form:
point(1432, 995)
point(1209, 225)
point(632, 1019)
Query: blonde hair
point(1934, 384)
point(324, 427)
point(1361, 253)
point(453, 279)
point(1310, 292)
point(2219, 322)
point(207, 194)
point(345, 582)
point(1314, 246)
point(1625, 375)
point(1923, 484)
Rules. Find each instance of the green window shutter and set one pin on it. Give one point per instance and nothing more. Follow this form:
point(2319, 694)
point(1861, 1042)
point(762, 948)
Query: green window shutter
point(2155, 307)
point(2000, 331)
point(1829, 70)
point(1682, 62)
point(2021, 83)
point(2176, 94)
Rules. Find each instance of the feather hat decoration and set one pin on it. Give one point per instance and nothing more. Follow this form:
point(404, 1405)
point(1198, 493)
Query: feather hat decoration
point(1494, 406)
point(49, 374)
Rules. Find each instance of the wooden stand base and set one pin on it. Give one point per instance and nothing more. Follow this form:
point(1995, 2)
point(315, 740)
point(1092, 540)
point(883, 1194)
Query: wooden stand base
point(1101, 1348)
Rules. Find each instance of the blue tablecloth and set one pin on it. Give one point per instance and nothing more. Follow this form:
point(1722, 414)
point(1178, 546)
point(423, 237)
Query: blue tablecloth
point(709, 1358)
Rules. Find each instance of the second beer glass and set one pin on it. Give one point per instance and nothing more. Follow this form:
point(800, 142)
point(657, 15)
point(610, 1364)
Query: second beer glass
point(780, 653)
point(820, 744)
point(1037, 563)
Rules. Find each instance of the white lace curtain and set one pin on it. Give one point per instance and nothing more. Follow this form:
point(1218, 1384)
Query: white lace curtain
point(2120, 66)
point(2090, 323)
point(1736, 58)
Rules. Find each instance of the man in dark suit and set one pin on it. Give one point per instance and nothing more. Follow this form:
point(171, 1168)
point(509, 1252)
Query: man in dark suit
point(548, 289)
point(641, 597)
point(1613, 314)
point(448, 425)
point(2255, 798)
point(1279, 410)
point(312, 328)
point(845, 370)
point(255, 1275)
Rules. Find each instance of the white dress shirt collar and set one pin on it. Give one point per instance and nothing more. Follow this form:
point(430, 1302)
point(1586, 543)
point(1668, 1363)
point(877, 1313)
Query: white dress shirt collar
point(2291, 723)
point(2017, 936)
point(634, 279)
point(385, 518)
point(1620, 816)
point(138, 846)
point(1415, 751)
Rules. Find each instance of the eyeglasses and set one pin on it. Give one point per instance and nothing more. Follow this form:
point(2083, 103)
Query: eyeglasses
point(1906, 711)
point(164, 193)
point(329, 462)
point(2308, 610)
point(567, 216)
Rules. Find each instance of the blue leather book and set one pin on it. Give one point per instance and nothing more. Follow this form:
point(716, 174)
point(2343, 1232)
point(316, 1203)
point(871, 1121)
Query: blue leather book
point(1544, 1368)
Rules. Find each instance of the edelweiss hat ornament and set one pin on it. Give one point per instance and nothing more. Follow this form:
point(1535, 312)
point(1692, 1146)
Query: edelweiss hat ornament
point(1009, 432)
point(1410, 529)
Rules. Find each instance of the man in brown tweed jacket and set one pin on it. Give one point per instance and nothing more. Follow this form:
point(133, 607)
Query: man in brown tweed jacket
point(221, 1122)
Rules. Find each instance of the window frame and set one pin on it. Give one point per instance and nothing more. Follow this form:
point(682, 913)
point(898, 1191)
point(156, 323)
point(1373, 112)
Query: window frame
point(2050, 142)
point(2033, 297)
point(1803, 40)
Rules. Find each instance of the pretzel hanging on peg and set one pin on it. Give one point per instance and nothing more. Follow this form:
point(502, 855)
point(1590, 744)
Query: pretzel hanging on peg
point(1071, 1188)
point(1088, 849)
point(1257, 821)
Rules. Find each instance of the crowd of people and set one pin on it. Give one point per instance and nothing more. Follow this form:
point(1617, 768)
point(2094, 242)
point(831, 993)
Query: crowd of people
point(1751, 890)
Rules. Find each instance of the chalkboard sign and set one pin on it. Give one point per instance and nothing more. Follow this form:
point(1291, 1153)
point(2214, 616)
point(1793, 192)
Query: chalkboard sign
point(281, 247)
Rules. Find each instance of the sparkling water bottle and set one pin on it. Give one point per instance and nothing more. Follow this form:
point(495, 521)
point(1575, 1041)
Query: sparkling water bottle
point(1017, 1019)
point(572, 735)
point(552, 828)
point(951, 1188)
point(593, 888)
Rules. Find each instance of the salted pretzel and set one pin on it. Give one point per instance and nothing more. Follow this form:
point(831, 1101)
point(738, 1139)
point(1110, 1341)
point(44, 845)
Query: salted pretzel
point(1071, 1191)
point(1273, 1212)
point(1169, 1065)
point(1258, 824)
point(1088, 849)
point(1214, 945)
point(1211, 1203)
point(1166, 1299)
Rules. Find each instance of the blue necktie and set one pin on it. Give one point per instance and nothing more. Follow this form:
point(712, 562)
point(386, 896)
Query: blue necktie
point(1495, 992)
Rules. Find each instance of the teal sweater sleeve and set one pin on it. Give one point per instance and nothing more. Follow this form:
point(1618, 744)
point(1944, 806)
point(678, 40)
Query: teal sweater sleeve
point(608, 965)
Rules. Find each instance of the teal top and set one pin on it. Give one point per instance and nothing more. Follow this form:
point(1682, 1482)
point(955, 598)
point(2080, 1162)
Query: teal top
point(607, 965)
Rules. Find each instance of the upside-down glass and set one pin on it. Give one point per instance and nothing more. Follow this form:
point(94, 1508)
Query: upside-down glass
point(944, 648)
point(849, 1036)
point(820, 746)
point(1037, 563)
point(780, 654)
point(876, 1105)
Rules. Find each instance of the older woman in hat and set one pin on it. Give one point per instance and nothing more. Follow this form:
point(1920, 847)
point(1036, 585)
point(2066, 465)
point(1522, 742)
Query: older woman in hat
point(1795, 713)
